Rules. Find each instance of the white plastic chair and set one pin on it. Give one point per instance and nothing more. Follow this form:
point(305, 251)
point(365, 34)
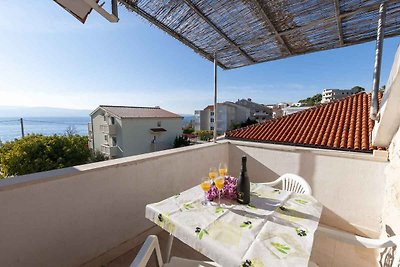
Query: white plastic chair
point(151, 244)
point(393, 241)
point(292, 182)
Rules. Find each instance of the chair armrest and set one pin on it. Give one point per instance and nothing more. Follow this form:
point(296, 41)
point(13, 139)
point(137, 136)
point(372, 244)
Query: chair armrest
point(146, 251)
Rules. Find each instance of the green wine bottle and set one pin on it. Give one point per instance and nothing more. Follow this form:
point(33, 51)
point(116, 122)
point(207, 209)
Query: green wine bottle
point(243, 184)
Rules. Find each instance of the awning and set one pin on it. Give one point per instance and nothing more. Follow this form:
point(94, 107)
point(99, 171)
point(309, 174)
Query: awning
point(245, 32)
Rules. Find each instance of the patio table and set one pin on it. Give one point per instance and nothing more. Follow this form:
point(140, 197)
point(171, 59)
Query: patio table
point(275, 229)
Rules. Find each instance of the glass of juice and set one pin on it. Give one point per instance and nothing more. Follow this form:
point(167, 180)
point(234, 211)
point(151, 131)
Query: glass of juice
point(219, 183)
point(205, 186)
point(212, 173)
point(223, 169)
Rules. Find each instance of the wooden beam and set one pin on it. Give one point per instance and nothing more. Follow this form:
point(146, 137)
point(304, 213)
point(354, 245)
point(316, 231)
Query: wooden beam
point(339, 22)
point(218, 30)
point(271, 26)
point(171, 32)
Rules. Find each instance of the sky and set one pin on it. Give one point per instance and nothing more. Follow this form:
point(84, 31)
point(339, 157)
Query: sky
point(48, 58)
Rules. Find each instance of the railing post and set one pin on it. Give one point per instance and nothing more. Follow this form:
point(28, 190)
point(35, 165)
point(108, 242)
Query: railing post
point(215, 98)
point(378, 60)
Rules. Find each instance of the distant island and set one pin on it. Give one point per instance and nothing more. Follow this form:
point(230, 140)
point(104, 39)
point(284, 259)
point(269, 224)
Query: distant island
point(15, 111)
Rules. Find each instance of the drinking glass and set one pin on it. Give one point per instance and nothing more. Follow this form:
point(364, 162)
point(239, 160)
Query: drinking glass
point(212, 173)
point(219, 183)
point(205, 185)
point(223, 169)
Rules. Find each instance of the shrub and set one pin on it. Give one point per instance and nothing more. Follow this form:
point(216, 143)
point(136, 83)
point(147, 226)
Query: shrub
point(35, 153)
point(181, 141)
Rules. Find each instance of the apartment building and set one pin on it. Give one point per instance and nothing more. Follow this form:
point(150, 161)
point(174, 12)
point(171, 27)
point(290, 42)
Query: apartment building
point(258, 112)
point(328, 95)
point(228, 113)
point(121, 131)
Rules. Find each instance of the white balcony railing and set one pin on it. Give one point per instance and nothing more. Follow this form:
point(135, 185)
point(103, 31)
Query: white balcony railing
point(111, 151)
point(90, 143)
point(90, 214)
point(110, 129)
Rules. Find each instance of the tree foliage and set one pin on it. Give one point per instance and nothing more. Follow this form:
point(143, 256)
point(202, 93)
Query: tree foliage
point(312, 101)
point(181, 141)
point(35, 153)
point(358, 89)
point(204, 135)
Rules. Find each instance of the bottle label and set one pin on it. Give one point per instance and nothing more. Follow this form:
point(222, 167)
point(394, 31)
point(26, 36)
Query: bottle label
point(240, 196)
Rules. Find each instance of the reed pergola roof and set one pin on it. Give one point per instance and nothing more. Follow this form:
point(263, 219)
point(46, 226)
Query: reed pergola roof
point(245, 32)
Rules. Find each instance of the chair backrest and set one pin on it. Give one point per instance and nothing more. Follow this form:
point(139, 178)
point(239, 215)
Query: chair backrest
point(294, 183)
point(393, 241)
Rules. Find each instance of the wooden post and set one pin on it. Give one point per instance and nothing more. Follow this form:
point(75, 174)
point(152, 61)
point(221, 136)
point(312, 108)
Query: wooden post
point(22, 127)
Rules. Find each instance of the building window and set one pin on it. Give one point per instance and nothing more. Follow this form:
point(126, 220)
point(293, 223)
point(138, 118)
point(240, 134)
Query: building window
point(212, 128)
point(112, 120)
point(212, 120)
point(212, 113)
point(104, 118)
point(105, 137)
point(114, 141)
point(159, 124)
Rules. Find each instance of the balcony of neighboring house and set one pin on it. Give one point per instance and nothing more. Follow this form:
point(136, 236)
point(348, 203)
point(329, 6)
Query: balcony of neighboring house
point(94, 214)
point(109, 150)
point(110, 129)
point(90, 144)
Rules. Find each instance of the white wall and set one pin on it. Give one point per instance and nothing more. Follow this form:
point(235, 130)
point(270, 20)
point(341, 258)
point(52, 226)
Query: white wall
point(70, 216)
point(391, 215)
point(349, 185)
point(137, 137)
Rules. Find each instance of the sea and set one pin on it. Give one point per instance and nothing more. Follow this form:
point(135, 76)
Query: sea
point(10, 127)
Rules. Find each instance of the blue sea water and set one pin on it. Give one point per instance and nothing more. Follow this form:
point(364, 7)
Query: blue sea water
point(10, 128)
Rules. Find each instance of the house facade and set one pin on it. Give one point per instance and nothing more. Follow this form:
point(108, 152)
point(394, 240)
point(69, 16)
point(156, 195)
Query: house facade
point(258, 112)
point(329, 95)
point(228, 113)
point(121, 131)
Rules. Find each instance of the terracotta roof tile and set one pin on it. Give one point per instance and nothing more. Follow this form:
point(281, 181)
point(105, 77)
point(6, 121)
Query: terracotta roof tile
point(343, 124)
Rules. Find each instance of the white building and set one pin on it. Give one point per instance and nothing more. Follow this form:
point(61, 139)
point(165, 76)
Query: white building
point(121, 131)
point(291, 110)
point(228, 113)
point(258, 112)
point(329, 95)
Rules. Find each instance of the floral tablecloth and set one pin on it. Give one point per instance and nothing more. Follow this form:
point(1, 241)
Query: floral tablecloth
point(275, 229)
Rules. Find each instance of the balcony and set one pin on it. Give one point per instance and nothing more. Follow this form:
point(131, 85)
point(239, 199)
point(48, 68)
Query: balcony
point(90, 143)
point(93, 215)
point(110, 129)
point(111, 151)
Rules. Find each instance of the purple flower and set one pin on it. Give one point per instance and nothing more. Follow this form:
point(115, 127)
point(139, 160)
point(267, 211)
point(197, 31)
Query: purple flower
point(228, 190)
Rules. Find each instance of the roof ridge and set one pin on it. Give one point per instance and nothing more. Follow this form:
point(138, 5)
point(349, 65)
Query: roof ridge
point(112, 106)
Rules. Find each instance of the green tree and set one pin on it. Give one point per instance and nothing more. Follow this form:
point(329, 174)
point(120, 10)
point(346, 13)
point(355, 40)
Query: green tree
point(312, 101)
point(35, 153)
point(204, 135)
point(358, 89)
point(181, 141)
point(188, 129)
